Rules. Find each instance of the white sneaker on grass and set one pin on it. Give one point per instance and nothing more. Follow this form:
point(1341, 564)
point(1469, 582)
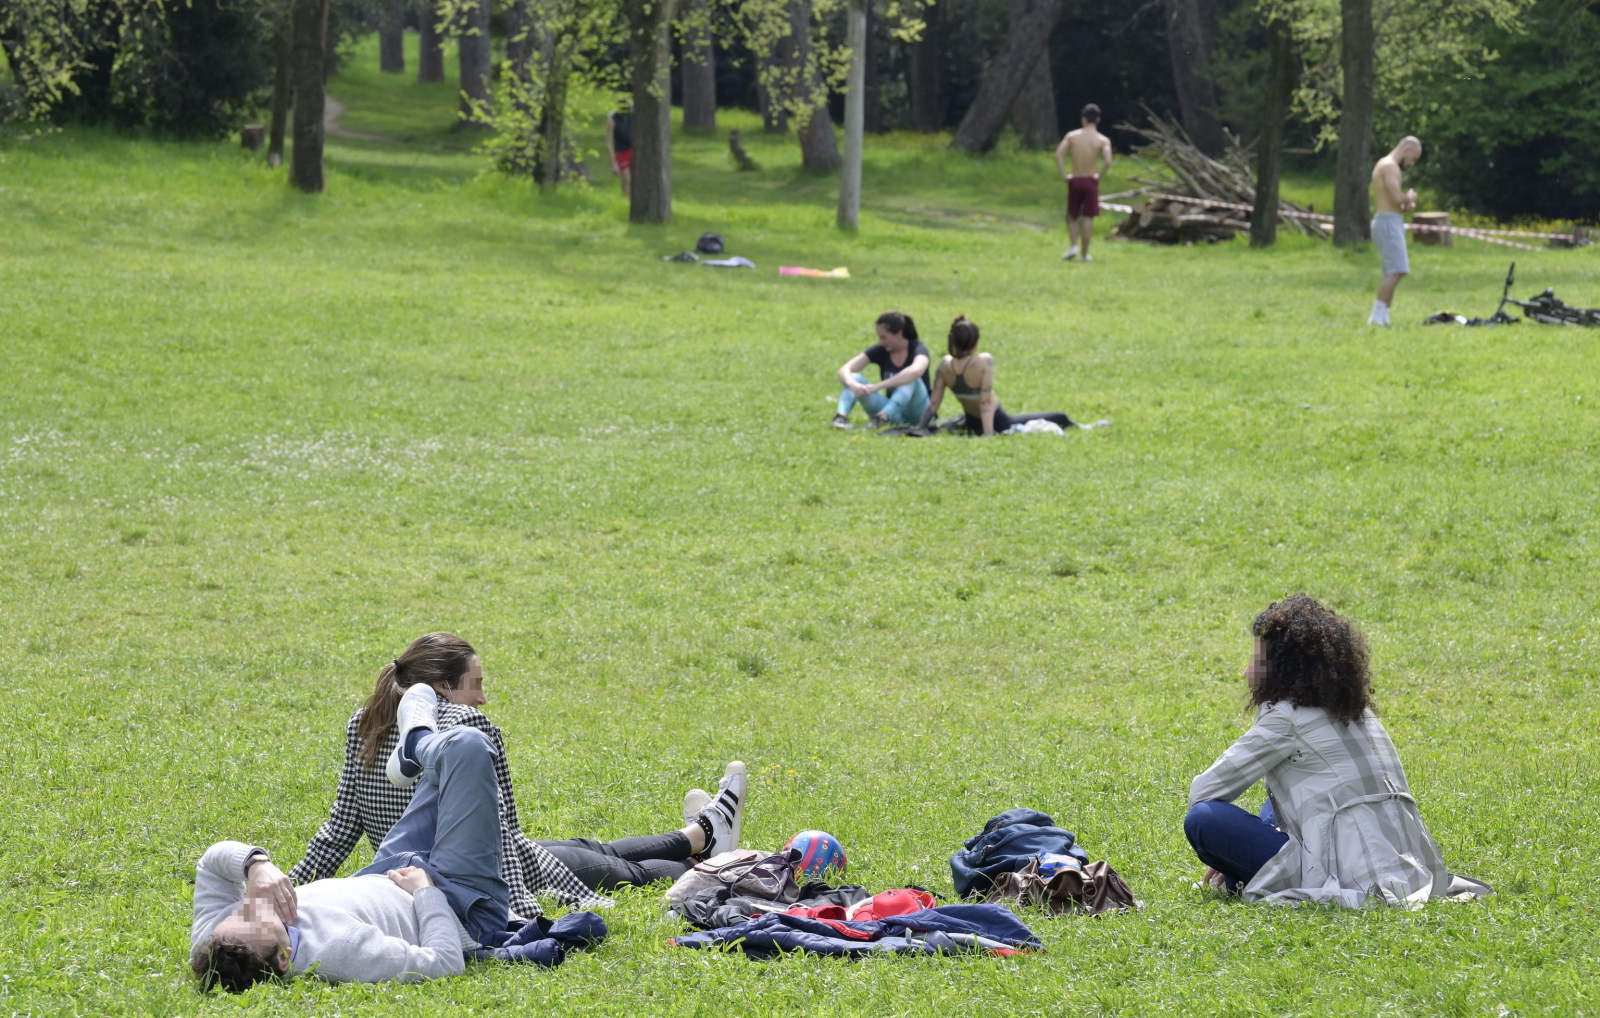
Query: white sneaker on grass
point(416, 710)
point(1072, 252)
point(694, 801)
point(726, 812)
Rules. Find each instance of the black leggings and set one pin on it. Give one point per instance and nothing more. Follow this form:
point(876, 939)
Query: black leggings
point(636, 861)
point(1003, 421)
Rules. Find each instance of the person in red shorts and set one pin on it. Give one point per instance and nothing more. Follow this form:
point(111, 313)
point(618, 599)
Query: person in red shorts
point(1087, 147)
point(619, 143)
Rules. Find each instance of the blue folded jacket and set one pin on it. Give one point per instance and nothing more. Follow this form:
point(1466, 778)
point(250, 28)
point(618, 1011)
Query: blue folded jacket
point(1007, 843)
point(543, 941)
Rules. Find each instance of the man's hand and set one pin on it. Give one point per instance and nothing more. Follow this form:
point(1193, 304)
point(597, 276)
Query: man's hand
point(265, 882)
point(1411, 200)
point(409, 878)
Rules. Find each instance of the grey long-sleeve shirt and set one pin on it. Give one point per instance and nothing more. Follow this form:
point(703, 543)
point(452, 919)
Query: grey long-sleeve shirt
point(352, 929)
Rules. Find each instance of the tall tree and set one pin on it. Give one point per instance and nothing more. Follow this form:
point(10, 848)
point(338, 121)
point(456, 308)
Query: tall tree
point(925, 73)
point(1353, 167)
point(430, 48)
point(808, 99)
point(310, 27)
point(872, 115)
point(771, 58)
point(699, 66)
point(1189, 41)
point(392, 36)
point(1005, 75)
point(282, 89)
point(1033, 115)
point(472, 44)
point(855, 103)
point(1282, 78)
point(650, 50)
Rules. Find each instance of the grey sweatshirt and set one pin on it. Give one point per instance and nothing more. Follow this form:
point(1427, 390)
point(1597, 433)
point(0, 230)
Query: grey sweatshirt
point(352, 929)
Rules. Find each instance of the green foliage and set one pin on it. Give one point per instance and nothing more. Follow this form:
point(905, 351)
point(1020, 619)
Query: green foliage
point(539, 107)
point(50, 44)
point(1418, 41)
point(1522, 137)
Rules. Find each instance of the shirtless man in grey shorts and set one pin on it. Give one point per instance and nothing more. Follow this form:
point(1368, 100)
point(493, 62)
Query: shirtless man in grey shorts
point(1389, 222)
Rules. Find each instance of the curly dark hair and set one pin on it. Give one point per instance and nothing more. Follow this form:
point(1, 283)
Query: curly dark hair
point(231, 964)
point(1314, 658)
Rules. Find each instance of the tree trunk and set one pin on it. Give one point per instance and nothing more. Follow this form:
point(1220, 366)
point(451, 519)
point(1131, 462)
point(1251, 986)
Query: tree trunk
point(282, 92)
point(392, 37)
point(925, 74)
point(473, 48)
point(650, 50)
point(310, 26)
point(553, 118)
point(1282, 76)
point(819, 148)
point(1005, 75)
point(524, 37)
point(855, 109)
point(1189, 38)
point(872, 115)
point(1353, 170)
point(430, 52)
point(699, 72)
point(1033, 115)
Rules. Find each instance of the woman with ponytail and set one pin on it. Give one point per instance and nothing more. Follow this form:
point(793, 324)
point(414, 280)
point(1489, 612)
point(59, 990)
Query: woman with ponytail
point(969, 376)
point(902, 362)
point(370, 797)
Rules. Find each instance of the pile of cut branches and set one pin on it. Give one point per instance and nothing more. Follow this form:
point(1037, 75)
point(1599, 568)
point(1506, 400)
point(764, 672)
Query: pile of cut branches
point(1216, 183)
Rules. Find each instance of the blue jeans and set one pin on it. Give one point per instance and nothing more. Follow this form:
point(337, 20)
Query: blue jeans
point(904, 405)
point(1231, 840)
point(452, 829)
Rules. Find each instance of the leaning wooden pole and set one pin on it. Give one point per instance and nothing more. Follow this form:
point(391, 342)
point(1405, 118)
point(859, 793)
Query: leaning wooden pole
point(855, 107)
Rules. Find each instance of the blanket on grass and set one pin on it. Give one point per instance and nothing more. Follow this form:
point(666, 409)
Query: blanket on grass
point(948, 929)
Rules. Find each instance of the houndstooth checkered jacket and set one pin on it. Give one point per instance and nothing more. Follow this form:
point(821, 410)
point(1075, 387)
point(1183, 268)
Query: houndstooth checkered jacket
point(366, 803)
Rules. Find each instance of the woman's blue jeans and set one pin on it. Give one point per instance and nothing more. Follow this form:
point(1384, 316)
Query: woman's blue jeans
point(903, 405)
point(1231, 840)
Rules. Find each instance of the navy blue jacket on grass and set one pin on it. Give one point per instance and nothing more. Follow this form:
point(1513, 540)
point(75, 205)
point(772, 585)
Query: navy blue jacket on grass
point(1007, 843)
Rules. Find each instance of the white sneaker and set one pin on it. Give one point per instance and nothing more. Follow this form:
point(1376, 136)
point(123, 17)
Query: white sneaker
point(694, 801)
point(1088, 258)
point(416, 710)
point(726, 811)
point(1072, 252)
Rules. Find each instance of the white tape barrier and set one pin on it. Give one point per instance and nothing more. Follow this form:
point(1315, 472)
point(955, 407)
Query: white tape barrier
point(1476, 233)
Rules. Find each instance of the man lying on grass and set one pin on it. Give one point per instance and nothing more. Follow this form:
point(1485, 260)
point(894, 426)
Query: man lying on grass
point(1339, 824)
point(434, 890)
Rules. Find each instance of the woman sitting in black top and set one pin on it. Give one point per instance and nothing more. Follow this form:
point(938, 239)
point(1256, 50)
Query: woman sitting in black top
point(902, 363)
point(969, 376)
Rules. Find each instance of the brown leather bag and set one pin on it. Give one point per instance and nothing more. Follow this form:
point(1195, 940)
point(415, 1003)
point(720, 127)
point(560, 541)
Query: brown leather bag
point(1091, 890)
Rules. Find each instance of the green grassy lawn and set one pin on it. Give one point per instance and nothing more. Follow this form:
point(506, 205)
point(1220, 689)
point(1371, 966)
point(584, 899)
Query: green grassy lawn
point(253, 442)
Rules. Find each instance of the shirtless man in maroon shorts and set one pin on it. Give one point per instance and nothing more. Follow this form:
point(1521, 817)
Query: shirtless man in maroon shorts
point(1087, 146)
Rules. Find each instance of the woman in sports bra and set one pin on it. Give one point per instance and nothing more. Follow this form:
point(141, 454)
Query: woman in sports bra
point(969, 375)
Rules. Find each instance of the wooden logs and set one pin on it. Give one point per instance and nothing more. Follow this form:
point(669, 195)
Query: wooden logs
point(1163, 221)
point(252, 136)
point(1442, 238)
